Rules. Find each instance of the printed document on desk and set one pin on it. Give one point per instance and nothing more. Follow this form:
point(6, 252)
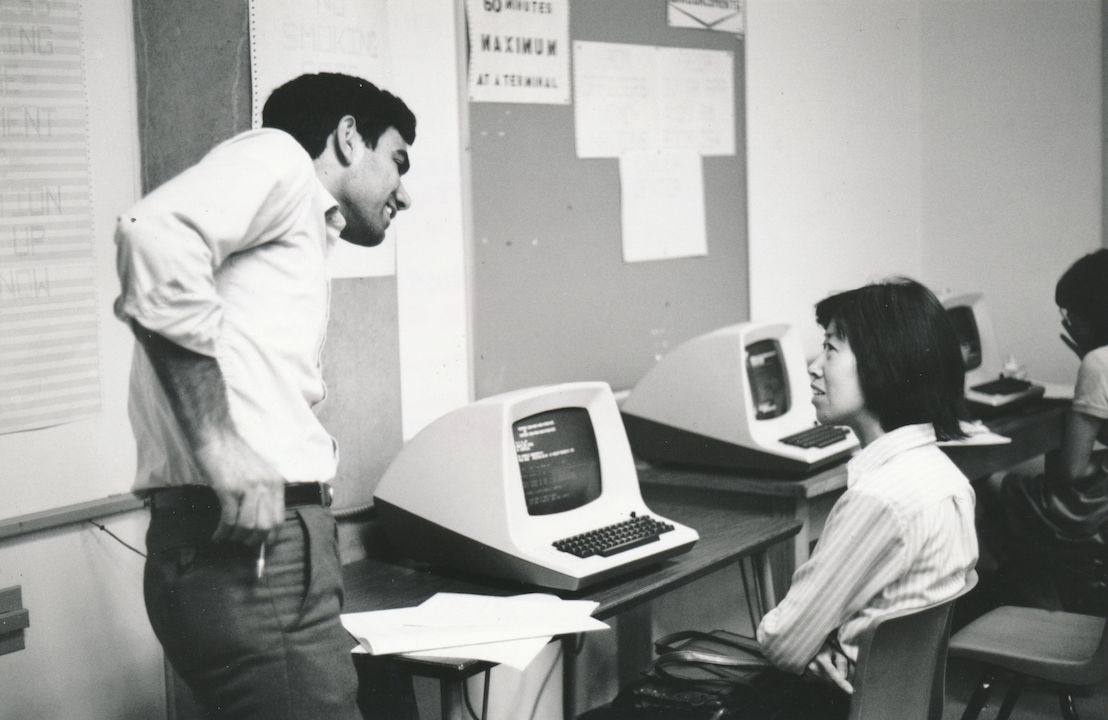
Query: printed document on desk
point(471, 626)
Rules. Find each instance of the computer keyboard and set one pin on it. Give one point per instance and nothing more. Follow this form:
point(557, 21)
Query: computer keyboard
point(611, 539)
point(1002, 386)
point(819, 436)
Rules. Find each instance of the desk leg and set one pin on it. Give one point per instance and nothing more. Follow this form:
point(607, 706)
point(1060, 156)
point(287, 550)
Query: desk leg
point(635, 642)
point(791, 555)
point(569, 676)
point(764, 568)
point(450, 693)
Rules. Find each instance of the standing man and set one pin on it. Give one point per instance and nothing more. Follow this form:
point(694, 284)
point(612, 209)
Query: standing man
point(224, 283)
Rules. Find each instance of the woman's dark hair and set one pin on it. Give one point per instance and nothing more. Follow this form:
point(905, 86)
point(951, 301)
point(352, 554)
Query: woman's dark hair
point(1083, 292)
point(909, 359)
point(309, 107)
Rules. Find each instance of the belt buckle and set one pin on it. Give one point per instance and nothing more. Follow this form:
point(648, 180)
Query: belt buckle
point(326, 494)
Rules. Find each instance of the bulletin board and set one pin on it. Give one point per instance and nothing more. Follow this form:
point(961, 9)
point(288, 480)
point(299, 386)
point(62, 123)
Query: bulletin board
point(553, 300)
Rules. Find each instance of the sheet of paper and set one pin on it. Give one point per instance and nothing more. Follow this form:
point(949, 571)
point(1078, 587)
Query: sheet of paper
point(1057, 391)
point(662, 204)
point(49, 344)
point(719, 15)
point(517, 654)
point(450, 620)
point(518, 51)
point(638, 97)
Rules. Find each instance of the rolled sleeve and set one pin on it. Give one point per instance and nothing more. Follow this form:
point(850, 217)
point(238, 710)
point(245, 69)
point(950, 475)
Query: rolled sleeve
point(861, 551)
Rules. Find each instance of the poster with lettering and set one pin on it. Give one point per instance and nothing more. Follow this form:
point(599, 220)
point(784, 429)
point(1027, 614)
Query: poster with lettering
point(291, 37)
point(519, 51)
point(49, 352)
point(719, 15)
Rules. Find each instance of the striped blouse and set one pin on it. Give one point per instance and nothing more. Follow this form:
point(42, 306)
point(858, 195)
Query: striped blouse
point(902, 536)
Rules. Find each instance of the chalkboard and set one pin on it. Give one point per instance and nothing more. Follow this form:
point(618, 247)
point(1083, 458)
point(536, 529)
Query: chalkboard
point(553, 300)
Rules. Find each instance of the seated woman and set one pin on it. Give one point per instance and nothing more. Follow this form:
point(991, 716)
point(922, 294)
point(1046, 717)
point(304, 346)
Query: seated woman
point(902, 535)
point(1050, 532)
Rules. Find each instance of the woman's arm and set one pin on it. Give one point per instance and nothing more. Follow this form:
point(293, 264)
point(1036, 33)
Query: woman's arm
point(1077, 458)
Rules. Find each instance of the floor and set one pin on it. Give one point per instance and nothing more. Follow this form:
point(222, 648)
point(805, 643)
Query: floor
point(1038, 701)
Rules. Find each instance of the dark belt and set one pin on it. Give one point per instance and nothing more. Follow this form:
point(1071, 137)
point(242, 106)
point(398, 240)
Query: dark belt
point(202, 497)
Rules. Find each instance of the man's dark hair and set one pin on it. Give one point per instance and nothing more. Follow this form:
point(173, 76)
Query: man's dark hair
point(909, 359)
point(1083, 292)
point(309, 107)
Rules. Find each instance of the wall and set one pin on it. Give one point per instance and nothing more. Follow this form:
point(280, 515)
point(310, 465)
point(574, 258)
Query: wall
point(834, 149)
point(90, 654)
point(1012, 178)
point(959, 142)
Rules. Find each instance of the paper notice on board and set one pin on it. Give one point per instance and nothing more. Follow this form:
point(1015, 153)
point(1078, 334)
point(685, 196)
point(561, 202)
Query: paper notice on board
point(662, 204)
point(719, 15)
point(519, 51)
point(632, 98)
point(49, 343)
point(289, 38)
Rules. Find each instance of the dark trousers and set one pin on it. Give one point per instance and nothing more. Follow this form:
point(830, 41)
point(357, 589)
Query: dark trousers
point(270, 648)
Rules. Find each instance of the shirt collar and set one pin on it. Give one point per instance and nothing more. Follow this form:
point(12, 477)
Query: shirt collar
point(884, 448)
point(332, 215)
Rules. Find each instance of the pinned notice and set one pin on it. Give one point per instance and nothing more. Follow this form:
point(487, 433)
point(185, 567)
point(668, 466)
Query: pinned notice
point(519, 51)
point(662, 204)
point(719, 15)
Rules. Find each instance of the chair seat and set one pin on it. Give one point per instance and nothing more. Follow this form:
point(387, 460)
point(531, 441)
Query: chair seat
point(1056, 646)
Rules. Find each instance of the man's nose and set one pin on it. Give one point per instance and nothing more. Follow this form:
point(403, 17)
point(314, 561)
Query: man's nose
point(403, 199)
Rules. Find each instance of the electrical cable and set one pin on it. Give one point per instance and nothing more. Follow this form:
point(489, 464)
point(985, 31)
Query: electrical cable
point(117, 538)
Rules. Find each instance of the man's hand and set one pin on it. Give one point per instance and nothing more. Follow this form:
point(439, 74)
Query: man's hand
point(833, 667)
point(251, 493)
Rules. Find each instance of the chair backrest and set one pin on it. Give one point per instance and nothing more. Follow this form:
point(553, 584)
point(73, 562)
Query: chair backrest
point(901, 670)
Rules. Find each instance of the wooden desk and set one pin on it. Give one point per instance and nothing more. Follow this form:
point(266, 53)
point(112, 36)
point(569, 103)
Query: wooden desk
point(1034, 429)
point(728, 533)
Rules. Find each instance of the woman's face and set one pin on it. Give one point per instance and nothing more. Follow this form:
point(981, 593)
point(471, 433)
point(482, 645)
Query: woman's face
point(836, 389)
point(1078, 332)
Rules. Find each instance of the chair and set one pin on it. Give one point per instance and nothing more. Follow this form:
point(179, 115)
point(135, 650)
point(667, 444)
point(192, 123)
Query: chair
point(901, 671)
point(1065, 648)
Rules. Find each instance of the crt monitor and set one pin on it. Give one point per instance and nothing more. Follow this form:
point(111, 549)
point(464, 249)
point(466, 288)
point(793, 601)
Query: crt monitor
point(986, 388)
point(737, 398)
point(537, 485)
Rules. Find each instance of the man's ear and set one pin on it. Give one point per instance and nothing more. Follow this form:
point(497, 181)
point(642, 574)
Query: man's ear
point(347, 139)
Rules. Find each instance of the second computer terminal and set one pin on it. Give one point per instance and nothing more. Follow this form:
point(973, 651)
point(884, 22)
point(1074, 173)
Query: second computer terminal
point(737, 398)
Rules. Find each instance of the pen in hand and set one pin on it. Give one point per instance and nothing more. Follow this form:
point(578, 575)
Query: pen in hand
point(259, 565)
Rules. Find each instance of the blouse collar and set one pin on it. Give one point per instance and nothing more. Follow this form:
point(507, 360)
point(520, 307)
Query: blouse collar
point(886, 447)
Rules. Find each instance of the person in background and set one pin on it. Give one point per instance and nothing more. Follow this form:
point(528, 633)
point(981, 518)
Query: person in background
point(902, 535)
point(224, 282)
point(1049, 532)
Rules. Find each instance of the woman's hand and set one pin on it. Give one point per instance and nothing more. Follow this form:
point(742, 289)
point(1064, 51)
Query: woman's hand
point(832, 666)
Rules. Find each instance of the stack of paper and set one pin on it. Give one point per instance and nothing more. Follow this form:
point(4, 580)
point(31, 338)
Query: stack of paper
point(506, 630)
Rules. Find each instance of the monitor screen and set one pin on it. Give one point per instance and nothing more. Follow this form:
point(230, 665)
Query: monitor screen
point(558, 460)
point(968, 337)
point(769, 384)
